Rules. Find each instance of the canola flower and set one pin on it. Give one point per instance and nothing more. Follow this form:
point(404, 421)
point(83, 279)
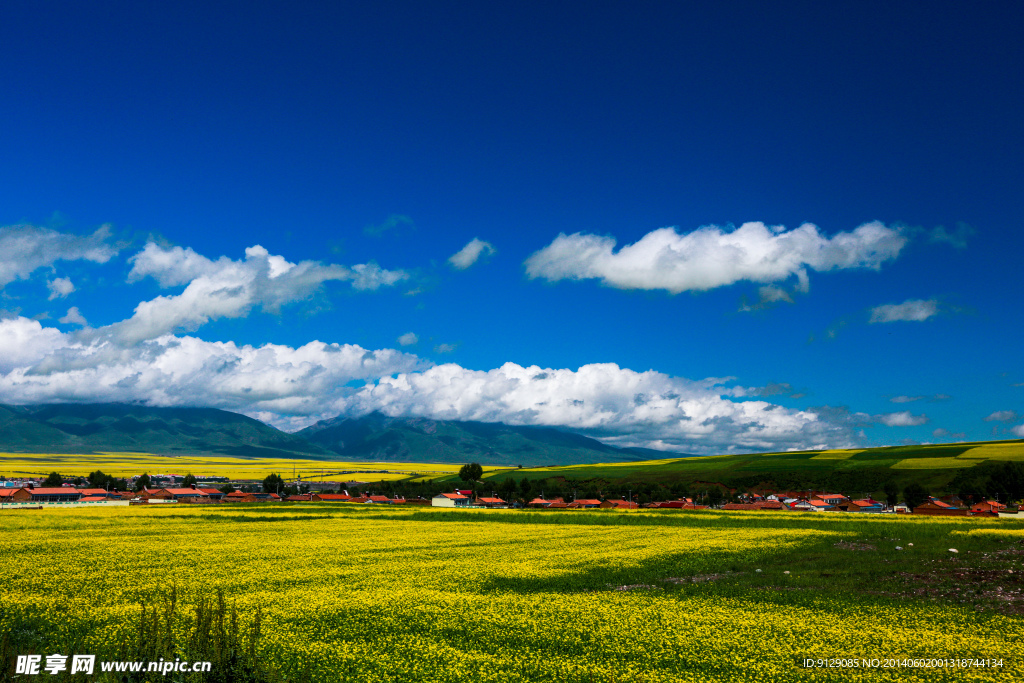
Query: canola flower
point(401, 595)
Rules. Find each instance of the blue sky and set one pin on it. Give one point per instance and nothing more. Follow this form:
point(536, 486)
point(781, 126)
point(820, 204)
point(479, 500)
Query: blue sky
point(707, 229)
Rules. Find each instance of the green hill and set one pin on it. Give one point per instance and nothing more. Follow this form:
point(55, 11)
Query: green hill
point(937, 467)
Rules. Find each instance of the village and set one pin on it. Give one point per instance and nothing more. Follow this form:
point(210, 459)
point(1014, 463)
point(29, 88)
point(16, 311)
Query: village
point(30, 494)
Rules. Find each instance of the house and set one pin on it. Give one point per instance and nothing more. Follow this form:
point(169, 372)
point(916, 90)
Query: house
point(833, 499)
point(189, 495)
point(681, 504)
point(299, 498)
point(864, 505)
point(234, 497)
point(215, 495)
point(330, 497)
point(491, 502)
point(539, 503)
point(87, 493)
point(585, 503)
point(378, 500)
point(61, 494)
point(938, 508)
point(988, 506)
point(619, 505)
point(449, 500)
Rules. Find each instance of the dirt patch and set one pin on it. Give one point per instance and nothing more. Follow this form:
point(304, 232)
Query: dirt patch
point(635, 587)
point(699, 578)
point(850, 545)
point(999, 589)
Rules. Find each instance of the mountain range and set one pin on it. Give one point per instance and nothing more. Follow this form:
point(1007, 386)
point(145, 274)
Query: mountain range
point(112, 427)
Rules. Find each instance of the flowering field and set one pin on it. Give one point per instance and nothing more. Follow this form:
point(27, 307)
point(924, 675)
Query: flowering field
point(352, 593)
point(132, 464)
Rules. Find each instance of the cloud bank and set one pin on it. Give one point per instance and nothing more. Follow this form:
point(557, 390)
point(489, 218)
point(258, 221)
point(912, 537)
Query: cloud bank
point(711, 257)
point(292, 387)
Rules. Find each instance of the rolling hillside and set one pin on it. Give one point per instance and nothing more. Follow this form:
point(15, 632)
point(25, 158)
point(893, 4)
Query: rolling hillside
point(935, 466)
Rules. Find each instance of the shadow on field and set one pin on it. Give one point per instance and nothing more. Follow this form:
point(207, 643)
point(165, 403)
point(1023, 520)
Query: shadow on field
point(648, 575)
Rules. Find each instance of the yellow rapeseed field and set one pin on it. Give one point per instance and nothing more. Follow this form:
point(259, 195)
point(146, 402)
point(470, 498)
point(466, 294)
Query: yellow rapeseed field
point(432, 595)
point(130, 464)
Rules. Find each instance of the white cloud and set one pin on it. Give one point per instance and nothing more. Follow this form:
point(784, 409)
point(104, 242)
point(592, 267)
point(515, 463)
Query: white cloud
point(444, 348)
point(60, 287)
point(292, 387)
point(25, 248)
point(905, 399)
point(711, 257)
point(228, 289)
point(1018, 430)
point(39, 365)
point(902, 419)
point(408, 339)
point(74, 317)
point(25, 342)
point(912, 310)
point(615, 404)
point(469, 254)
point(1002, 416)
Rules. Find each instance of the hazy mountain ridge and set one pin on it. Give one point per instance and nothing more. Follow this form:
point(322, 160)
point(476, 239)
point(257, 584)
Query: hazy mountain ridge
point(379, 437)
point(97, 427)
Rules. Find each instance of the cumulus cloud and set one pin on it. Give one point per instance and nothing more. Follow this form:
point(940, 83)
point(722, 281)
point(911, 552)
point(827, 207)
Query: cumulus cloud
point(916, 310)
point(226, 288)
point(25, 248)
point(408, 339)
point(60, 287)
point(1002, 416)
point(1018, 430)
point(444, 348)
point(941, 433)
point(40, 365)
point(711, 256)
point(614, 404)
point(292, 387)
point(470, 253)
point(74, 317)
point(903, 418)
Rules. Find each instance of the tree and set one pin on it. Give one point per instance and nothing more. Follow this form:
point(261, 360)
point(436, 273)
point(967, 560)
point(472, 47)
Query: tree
point(189, 480)
point(142, 482)
point(892, 493)
point(715, 495)
point(273, 483)
point(227, 488)
point(507, 487)
point(53, 480)
point(471, 472)
point(914, 494)
point(524, 488)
